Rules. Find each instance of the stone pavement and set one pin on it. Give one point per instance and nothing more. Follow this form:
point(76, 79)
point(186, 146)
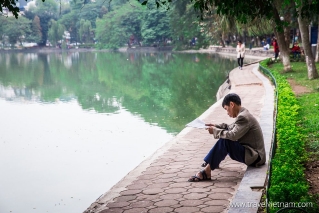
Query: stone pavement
point(159, 184)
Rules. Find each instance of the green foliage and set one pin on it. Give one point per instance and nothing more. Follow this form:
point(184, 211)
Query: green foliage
point(102, 11)
point(241, 10)
point(287, 181)
point(155, 26)
point(86, 32)
point(151, 25)
point(256, 27)
point(45, 11)
point(146, 21)
point(185, 26)
point(70, 21)
point(55, 32)
point(81, 20)
point(309, 116)
point(116, 27)
point(15, 30)
point(36, 35)
point(64, 45)
point(89, 12)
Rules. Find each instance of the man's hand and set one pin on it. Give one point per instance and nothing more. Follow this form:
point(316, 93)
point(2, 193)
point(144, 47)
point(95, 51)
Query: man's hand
point(210, 128)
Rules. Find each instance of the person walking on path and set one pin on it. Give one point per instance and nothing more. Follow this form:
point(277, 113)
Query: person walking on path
point(243, 140)
point(240, 49)
point(276, 48)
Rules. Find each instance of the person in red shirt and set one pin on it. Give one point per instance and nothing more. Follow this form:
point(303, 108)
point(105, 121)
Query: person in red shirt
point(296, 50)
point(276, 47)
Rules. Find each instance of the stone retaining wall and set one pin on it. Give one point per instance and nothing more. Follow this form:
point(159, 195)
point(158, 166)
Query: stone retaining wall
point(254, 52)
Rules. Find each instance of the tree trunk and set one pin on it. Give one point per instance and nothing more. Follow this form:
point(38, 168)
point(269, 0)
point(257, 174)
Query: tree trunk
point(245, 37)
point(221, 40)
point(317, 51)
point(304, 33)
point(222, 43)
point(284, 50)
point(287, 36)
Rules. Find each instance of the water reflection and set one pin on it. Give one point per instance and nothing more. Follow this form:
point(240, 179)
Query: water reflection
point(159, 87)
point(74, 124)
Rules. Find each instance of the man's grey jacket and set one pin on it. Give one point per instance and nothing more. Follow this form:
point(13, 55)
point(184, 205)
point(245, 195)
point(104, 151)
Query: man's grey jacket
point(247, 131)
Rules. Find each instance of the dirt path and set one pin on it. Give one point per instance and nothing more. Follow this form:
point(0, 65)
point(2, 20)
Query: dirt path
point(297, 88)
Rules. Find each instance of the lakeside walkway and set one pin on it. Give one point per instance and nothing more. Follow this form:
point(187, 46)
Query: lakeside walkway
point(159, 184)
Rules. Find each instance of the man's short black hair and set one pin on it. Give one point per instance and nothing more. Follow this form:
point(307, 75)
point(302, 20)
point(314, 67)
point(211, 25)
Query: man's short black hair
point(231, 97)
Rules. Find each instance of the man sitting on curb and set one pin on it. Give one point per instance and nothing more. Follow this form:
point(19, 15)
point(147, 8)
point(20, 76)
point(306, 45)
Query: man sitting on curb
point(243, 140)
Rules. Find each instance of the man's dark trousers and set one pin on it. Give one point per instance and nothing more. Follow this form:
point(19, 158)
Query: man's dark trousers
point(221, 149)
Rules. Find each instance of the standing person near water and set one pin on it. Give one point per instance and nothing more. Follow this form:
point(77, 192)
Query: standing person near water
point(240, 49)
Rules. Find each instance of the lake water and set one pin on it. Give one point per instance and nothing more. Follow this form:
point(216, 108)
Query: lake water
point(74, 124)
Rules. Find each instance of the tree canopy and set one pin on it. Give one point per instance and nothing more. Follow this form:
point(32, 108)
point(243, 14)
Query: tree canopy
point(238, 9)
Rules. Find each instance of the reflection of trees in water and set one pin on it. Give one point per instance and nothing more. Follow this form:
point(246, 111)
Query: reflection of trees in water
point(46, 69)
point(17, 76)
point(163, 88)
point(169, 94)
